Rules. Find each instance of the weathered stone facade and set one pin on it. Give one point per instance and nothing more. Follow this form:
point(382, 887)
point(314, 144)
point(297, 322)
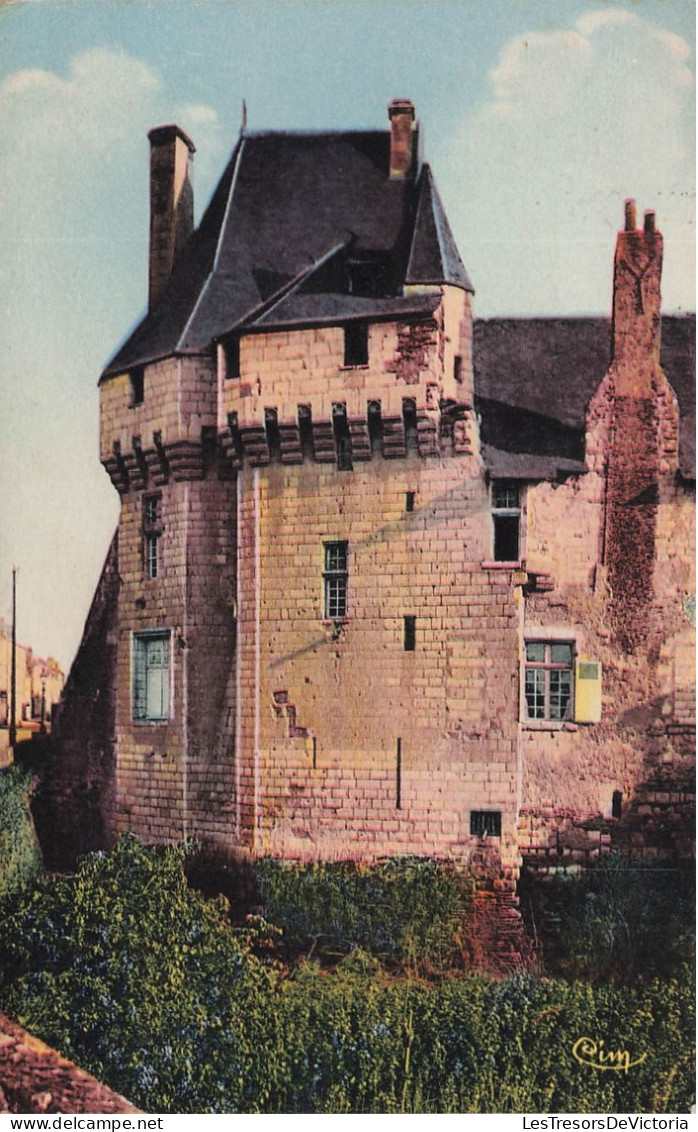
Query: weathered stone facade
point(269, 470)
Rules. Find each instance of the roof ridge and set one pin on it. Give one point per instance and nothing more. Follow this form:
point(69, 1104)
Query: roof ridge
point(317, 133)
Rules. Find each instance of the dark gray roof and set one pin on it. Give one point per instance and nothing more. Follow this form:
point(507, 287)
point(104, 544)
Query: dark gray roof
point(434, 255)
point(288, 204)
point(317, 309)
point(534, 378)
point(528, 465)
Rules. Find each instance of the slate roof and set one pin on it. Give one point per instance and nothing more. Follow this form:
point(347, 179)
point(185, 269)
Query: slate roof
point(295, 213)
point(534, 378)
point(286, 206)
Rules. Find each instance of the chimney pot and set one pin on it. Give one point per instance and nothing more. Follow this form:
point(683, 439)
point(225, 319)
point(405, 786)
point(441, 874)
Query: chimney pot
point(649, 223)
point(402, 129)
point(630, 216)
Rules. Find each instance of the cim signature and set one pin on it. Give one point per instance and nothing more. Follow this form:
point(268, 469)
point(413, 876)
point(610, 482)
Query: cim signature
point(588, 1051)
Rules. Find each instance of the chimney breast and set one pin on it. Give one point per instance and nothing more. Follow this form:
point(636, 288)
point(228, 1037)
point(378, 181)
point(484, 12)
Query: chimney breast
point(171, 203)
point(401, 114)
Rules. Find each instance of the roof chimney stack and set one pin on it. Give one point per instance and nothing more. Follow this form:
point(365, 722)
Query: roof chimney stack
point(637, 304)
point(171, 203)
point(402, 135)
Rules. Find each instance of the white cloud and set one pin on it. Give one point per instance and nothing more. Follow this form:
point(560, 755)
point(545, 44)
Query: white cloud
point(93, 107)
point(579, 119)
point(195, 112)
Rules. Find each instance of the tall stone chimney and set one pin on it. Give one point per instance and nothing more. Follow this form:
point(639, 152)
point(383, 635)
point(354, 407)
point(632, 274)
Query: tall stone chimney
point(643, 426)
point(402, 136)
point(171, 203)
point(636, 305)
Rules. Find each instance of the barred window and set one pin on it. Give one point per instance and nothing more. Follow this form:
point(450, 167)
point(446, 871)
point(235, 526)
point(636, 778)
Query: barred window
point(335, 581)
point(485, 823)
point(548, 679)
point(151, 676)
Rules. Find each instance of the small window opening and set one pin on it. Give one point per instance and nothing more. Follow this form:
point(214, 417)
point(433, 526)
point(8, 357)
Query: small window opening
point(375, 425)
point(152, 530)
point(231, 352)
point(356, 344)
point(305, 428)
point(209, 448)
point(137, 377)
point(335, 577)
point(409, 417)
point(398, 776)
point(409, 501)
point(342, 438)
point(485, 823)
point(458, 368)
point(410, 632)
point(271, 424)
point(506, 519)
point(617, 804)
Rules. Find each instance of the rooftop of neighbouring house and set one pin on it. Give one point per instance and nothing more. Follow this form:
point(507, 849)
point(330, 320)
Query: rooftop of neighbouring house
point(34, 1078)
point(534, 378)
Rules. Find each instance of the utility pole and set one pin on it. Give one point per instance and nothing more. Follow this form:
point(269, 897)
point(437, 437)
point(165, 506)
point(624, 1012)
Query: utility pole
point(13, 665)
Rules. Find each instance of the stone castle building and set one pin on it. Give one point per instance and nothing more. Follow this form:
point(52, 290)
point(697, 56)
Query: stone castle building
point(386, 580)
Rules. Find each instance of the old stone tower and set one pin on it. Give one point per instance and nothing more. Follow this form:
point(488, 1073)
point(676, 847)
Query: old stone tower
point(369, 597)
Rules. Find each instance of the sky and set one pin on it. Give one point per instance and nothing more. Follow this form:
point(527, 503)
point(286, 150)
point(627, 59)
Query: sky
point(538, 119)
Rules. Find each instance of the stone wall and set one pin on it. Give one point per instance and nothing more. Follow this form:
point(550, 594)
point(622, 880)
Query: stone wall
point(350, 745)
point(619, 546)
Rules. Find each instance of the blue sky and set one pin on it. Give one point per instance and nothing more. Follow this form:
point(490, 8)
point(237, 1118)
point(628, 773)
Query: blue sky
point(538, 118)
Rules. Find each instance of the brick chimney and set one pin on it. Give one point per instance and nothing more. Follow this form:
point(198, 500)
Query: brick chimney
point(402, 136)
point(636, 304)
point(171, 203)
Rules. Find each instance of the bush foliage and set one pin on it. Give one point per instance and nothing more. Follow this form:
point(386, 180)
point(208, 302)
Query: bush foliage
point(620, 922)
point(144, 983)
point(20, 857)
point(407, 912)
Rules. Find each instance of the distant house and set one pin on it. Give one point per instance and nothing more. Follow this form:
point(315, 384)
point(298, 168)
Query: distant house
point(387, 580)
point(38, 688)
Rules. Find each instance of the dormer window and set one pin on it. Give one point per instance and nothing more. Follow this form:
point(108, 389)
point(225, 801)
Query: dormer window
point(137, 379)
point(356, 344)
point(370, 276)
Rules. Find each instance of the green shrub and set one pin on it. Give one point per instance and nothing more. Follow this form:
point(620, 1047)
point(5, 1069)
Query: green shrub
point(621, 922)
point(137, 978)
point(409, 912)
point(20, 857)
point(144, 983)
